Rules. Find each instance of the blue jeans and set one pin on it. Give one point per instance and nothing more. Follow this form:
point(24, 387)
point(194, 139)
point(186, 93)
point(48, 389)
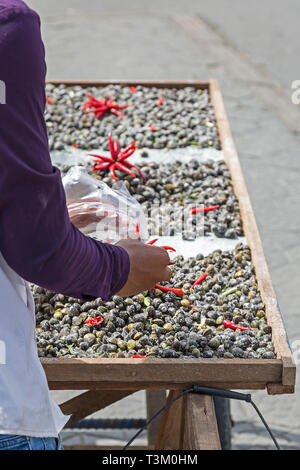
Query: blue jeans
point(11, 442)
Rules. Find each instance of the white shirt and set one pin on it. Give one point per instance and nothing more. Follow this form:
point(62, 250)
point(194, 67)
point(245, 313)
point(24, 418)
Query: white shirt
point(26, 406)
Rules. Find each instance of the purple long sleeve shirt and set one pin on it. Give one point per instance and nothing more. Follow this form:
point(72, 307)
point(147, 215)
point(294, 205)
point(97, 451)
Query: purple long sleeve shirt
point(37, 238)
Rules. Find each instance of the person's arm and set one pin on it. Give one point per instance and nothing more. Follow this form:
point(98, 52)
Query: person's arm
point(37, 238)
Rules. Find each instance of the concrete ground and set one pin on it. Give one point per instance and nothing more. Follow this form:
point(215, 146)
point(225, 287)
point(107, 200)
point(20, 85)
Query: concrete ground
point(252, 49)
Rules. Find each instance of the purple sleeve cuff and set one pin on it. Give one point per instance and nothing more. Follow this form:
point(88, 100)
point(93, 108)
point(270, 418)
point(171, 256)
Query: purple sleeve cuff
point(120, 264)
point(121, 269)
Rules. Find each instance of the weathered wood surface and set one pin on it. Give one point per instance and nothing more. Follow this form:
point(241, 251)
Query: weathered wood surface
point(189, 424)
point(154, 386)
point(279, 389)
point(89, 402)
point(148, 83)
point(162, 371)
point(170, 434)
point(200, 429)
point(278, 374)
point(253, 238)
point(155, 400)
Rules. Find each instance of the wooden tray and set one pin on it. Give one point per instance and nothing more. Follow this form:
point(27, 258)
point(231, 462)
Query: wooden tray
point(277, 375)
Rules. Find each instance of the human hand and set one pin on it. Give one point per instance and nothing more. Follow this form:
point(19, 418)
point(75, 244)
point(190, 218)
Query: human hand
point(148, 266)
point(87, 213)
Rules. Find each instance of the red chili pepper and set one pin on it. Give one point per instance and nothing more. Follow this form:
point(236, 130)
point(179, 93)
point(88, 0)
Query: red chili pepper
point(117, 113)
point(98, 115)
point(169, 289)
point(101, 159)
point(100, 167)
point(94, 321)
point(124, 155)
point(233, 326)
point(112, 171)
point(168, 248)
point(138, 170)
point(92, 100)
point(124, 168)
point(75, 146)
point(133, 89)
point(111, 100)
point(127, 152)
point(115, 107)
point(160, 101)
point(137, 356)
point(137, 231)
point(129, 147)
point(111, 146)
point(116, 147)
point(165, 247)
point(152, 241)
point(196, 210)
point(49, 100)
point(152, 128)
point(117, 159)
point(98, 109)
point(102, 106)
point(199, 280)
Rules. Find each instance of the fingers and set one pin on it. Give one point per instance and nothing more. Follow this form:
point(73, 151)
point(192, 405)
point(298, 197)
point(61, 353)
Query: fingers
point(164, 257)
point(166, 275)
point(129, 242)
point(148, 266)
point(162, 272)
point(165, 254)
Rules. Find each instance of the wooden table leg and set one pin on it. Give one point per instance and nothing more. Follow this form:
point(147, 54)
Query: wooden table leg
point(170, 434)
point(89, 402)
point(189, 424)
point(155, 400)
point(199, 423)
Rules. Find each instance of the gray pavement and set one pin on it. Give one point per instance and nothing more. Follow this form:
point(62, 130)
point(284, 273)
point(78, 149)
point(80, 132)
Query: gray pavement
point(252, 49)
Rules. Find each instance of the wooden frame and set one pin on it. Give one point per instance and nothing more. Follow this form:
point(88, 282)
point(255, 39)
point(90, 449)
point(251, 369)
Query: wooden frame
point(277, 375)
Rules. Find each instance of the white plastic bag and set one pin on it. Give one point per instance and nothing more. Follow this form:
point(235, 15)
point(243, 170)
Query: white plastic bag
point(104, 213)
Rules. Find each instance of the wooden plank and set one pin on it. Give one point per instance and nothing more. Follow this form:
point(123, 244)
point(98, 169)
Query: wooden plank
point(89, 402)
point(155, 400)
point(288, 371)
point(204, 84)
point(152, 386)
point(253, 238)
point(200, 423)
point(162, 370)
point(279, 389)
point(170, 434)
